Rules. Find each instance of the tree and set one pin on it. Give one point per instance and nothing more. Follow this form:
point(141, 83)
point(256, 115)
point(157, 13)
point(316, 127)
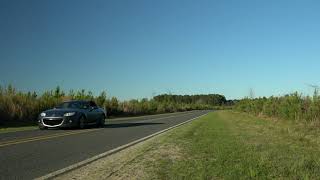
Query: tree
point(101, 99)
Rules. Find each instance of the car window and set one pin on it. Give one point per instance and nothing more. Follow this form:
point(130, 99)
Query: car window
point(66, 105)
point(93, 104)
point(74, 105)
point(85, 105)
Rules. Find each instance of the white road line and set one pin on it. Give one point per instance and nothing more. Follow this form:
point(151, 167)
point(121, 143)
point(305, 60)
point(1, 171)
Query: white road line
point(90, 160)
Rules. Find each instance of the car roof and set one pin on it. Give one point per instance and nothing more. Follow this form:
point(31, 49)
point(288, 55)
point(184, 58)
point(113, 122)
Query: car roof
point(79, 101)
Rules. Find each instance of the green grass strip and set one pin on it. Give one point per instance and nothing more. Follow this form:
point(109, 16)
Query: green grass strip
point(230, 145)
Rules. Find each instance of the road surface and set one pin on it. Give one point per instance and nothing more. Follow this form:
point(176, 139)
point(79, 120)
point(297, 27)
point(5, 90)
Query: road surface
point(34, 153)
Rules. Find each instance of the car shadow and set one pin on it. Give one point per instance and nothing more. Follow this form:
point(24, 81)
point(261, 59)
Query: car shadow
point(124, 125)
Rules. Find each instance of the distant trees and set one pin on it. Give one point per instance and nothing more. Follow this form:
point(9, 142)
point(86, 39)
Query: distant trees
point(26, 106)
point(210, 99)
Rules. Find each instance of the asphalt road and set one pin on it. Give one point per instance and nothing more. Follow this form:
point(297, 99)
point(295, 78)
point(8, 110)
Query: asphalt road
point(34, 153)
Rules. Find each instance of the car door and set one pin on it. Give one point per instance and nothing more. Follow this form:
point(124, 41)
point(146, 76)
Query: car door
point(89, 113)
point(95, 113)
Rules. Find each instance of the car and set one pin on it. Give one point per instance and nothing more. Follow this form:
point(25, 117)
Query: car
point(76, 113)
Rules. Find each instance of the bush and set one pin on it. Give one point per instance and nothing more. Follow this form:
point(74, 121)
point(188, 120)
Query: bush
point(291, 107)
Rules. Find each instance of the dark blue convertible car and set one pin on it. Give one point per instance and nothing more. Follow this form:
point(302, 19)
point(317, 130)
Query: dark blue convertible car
point(73, 114)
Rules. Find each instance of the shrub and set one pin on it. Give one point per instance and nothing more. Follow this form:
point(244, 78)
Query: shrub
point(291, 107)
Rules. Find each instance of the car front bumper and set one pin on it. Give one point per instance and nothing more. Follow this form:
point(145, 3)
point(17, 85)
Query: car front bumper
point(58, 122)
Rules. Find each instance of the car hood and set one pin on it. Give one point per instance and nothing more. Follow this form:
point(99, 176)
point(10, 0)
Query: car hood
point(58, 112)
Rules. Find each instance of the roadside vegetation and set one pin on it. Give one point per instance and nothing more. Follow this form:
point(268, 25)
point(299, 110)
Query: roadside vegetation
point(221, 145)
point(231, 145)
point(19, 108)
point(292, 107)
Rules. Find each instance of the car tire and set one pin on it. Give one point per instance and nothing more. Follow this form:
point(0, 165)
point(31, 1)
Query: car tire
point(82, 123)
point(101, 122)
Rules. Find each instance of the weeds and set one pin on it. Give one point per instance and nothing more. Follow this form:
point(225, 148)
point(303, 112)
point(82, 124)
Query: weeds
point(294, 107)
point(24, 107)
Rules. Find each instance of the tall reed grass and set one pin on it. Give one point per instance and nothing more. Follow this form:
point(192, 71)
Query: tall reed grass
point(18, 106)
point(295, 107)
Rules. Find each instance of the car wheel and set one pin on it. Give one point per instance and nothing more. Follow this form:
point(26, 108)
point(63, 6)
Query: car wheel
point(82, 124)
point(101, 121)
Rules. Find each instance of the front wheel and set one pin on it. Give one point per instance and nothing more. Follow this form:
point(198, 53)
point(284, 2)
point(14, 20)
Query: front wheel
point(101, 121)
point(82, 124)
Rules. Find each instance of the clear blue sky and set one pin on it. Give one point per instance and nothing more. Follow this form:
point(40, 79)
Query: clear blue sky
point(134, 49)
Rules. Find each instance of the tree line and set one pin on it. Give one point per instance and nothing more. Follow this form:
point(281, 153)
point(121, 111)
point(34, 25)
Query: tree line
point(210, 99)
point(18, 106)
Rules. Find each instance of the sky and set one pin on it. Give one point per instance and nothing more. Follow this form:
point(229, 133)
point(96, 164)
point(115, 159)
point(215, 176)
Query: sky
point(141, 48)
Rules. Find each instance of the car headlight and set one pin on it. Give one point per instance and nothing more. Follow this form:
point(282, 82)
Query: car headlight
point(43, 114)
point(69, 114)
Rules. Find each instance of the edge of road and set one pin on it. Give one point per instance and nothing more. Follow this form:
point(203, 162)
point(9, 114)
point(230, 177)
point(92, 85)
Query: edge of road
point(110, 152)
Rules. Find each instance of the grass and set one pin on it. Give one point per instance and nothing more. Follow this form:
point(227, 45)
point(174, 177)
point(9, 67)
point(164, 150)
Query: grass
point(231, 145)
point(17, 126)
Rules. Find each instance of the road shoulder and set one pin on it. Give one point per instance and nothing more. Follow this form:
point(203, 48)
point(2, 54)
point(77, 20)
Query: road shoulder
point(126, 164)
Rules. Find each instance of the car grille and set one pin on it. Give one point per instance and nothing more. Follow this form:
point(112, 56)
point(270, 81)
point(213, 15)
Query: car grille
point(52, 122)
point(54, 114)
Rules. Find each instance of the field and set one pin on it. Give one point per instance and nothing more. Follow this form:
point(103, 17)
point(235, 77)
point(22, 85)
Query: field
point(223, 144)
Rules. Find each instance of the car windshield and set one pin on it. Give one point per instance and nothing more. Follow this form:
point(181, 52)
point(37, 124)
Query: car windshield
point(74, 105)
